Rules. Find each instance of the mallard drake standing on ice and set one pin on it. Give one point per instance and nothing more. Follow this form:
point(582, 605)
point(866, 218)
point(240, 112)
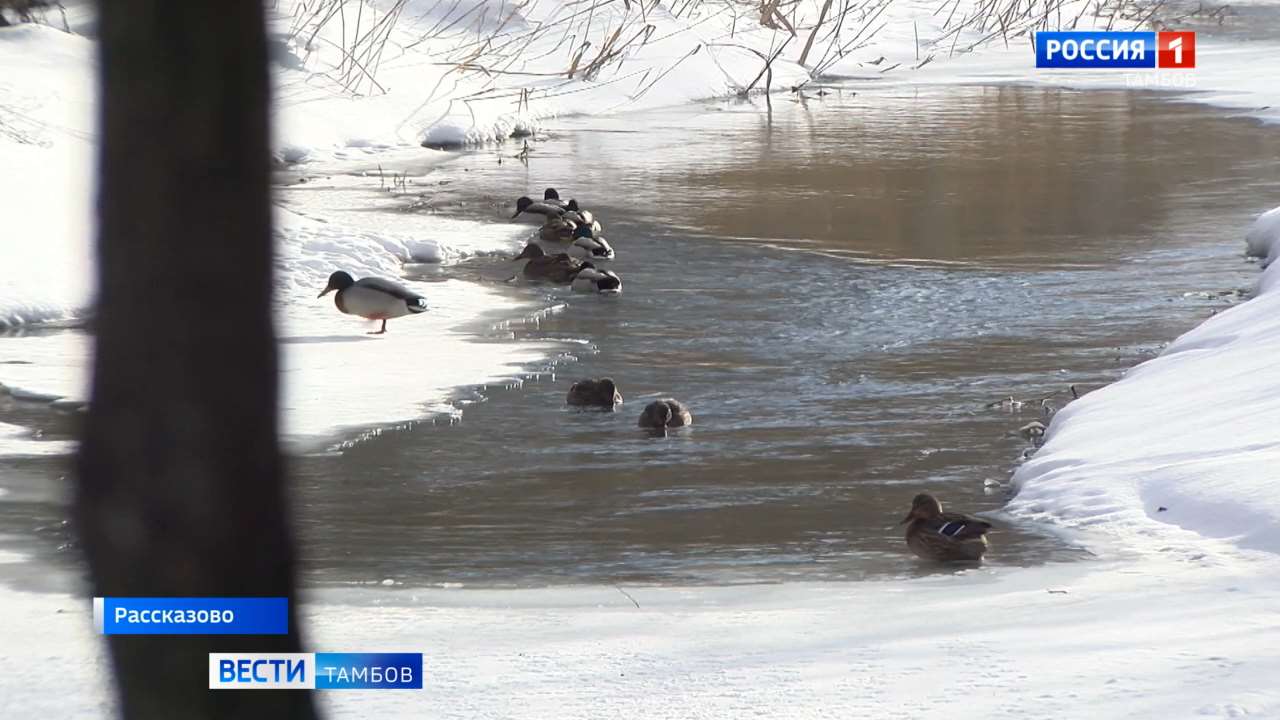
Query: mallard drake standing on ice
point(373, 298)
point(942, 536)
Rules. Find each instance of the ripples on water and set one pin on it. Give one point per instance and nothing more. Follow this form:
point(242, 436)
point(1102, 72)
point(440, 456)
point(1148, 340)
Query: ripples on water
point(837, 294)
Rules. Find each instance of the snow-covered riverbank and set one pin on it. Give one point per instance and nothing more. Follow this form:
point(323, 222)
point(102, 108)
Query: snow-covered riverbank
point(1168, 476)
point(1182, 454)
point(1169, 637)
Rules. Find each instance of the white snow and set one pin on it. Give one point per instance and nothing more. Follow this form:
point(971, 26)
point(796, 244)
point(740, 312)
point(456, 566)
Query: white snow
point(1181, 452)
point(335, 377)
point(46, 106)
point(1263, 238)
point(1169, 637)
point(1168, 475)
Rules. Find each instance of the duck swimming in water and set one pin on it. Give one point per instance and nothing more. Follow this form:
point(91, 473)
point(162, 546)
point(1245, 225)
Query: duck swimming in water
point(594, 393)
point(665, 413)
point(586, 247)
point(559, 269)
point(373, 298)
point(942, 536)
point(594, 280)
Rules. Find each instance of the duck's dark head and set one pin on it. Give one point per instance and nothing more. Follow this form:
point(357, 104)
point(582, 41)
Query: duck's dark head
point(582, 231)
point(572, 206)
point(550, 194)
point(530, 251)
point(923, 507)
point(337, 281)
point(522, 204)
point(656, 415)
point(608, 387)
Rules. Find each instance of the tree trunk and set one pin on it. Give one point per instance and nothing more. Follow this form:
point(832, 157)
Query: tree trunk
point(180, 489)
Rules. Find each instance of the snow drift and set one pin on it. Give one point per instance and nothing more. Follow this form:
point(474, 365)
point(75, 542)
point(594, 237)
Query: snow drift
point(1184, 447)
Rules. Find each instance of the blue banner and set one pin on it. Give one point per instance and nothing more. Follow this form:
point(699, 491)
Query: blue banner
point(1095, 49)
point(318, 671)
point(191, 616)
point(368, 671)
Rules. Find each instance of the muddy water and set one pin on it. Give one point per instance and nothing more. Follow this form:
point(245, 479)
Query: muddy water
point(837, 289)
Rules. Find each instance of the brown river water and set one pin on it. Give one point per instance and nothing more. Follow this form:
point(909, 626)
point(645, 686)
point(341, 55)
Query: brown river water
point(837, 289)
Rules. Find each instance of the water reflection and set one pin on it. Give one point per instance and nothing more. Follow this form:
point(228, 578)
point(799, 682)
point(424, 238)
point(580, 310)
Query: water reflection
point(837, 294)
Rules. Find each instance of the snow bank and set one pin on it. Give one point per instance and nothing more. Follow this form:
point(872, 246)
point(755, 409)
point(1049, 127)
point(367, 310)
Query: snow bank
point(1184, 447)
point(1263, 238)
point(1090, 639)
point(334, 376)
point(46, 112)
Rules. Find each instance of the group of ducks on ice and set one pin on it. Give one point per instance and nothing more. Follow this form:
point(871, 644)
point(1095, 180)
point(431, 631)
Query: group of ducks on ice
point(565, 252)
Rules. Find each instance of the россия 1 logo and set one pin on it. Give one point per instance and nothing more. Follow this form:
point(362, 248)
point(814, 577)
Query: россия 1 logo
point(1108, 49)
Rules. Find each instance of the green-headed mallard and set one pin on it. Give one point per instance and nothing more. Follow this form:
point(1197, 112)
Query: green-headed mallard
point(587, 247)
point(665, 413)
point(559, 269)
point(601, 392)
point(594, 280)
point(373, 298)
point(941, 536)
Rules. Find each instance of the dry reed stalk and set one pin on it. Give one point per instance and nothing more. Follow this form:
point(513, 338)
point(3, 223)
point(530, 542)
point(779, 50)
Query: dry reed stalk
point(808, 45)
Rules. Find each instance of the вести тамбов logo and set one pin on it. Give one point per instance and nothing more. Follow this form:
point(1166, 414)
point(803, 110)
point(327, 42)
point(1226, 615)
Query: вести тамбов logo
point(1115, 50)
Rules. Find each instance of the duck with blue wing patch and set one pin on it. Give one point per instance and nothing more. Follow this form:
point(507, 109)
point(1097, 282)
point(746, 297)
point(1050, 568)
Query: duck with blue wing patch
point(942, 536)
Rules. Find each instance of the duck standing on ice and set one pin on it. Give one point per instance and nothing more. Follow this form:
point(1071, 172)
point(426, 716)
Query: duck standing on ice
point(942, 536)
point(373, 298)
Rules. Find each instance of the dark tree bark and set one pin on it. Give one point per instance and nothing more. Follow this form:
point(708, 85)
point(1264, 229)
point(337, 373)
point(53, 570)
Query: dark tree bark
point(180, 488)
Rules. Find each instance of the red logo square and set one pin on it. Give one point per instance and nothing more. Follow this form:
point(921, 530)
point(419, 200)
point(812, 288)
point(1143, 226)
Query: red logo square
point(1176, 50)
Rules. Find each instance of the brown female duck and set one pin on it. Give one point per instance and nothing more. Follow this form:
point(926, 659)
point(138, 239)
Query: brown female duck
point(665, 413)
point(942, 536)
point(557, 230)
point(560, 269)
point(602, 393)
